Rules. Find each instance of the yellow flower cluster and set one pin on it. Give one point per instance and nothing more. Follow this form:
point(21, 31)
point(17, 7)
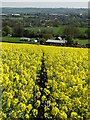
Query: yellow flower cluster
point(65, 94)
point(67, 73)
point(20, 66)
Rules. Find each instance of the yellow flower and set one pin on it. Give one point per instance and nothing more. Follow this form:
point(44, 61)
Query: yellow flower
point(73, 115)
point(48, 103)
point(37, 104)
point(55, 111)
point(35, 112)
point(63, 115)
point(4, 116)
point(47, 92)
point(15, 101)
point(65, 108)
point(27, 116)
point(43, 98)
point(22, 106)
point(29, 107)
point(46, 115)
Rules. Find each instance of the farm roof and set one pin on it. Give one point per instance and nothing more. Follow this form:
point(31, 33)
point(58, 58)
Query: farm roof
point(56, 41)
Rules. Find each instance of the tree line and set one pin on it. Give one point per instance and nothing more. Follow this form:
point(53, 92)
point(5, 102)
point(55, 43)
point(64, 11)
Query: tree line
point(19, 31)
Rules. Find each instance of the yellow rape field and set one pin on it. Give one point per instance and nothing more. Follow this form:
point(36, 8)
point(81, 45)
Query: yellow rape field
point(44, 82)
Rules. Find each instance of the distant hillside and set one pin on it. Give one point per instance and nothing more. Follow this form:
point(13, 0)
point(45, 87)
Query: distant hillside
point(45, 10)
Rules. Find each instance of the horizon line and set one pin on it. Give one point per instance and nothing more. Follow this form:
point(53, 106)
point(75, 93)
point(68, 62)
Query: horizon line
point(48, 7)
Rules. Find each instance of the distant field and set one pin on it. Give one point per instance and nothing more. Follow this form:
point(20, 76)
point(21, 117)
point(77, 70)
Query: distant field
point(55, 30)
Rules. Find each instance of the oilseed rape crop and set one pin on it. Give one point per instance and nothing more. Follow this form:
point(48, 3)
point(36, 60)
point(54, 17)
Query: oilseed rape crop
point(44, 82)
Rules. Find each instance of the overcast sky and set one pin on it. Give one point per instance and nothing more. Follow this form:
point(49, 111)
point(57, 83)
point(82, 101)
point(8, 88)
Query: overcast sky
point(46, 0)
point(46, 3)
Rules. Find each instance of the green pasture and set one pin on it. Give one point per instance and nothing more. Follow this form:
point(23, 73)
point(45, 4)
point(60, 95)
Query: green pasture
point(82, 42)
point(14, 39)
point(10, 39)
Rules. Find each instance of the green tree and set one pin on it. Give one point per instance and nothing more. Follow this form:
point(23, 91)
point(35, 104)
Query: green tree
point(88, 33)
point(69, 40)
point(74, 32)
point(56, 23)
point(26, 33)
point(42, 41)
point(6, 30)
point(47, 36)
point(70, 33)
point(18, 30)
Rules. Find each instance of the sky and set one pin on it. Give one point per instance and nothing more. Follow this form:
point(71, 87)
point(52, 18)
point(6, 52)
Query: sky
point(46, 0)
point(46, 3)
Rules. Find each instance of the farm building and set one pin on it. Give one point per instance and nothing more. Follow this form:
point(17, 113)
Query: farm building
point(25, 39)
point(56, 41)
